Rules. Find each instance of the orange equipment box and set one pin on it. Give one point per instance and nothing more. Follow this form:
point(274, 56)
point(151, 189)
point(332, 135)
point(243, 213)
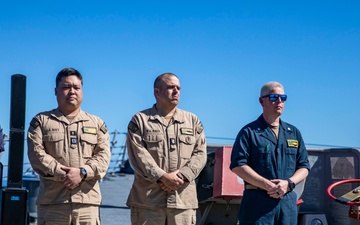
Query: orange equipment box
point(226, 183)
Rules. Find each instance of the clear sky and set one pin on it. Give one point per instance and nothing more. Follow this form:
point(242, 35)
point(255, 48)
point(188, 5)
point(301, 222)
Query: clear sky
point(222, 51)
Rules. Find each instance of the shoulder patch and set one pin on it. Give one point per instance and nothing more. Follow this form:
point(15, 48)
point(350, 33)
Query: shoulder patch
point(104, 129)
point(199, 128)
point(133, 127)
point(34, 123)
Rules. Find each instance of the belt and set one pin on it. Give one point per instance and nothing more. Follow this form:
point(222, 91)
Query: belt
point(250, 186)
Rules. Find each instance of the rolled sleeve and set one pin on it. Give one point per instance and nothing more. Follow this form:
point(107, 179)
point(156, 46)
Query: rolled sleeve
point(239, 154)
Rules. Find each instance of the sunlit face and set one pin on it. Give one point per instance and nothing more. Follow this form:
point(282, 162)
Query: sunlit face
point(168, 94)
point(69, 94)
point(273, 108)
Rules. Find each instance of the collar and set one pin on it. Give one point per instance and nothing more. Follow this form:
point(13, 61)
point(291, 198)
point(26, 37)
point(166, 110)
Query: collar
point(264, 129)
point(155, 115)
point(262, 124)
point(81, 116)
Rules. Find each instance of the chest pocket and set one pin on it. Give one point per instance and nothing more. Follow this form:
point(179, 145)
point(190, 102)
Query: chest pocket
point(153, 142)
point(290, 157)
point(88, 143)
point(187, 144)
point(260, 157)
point(54, 144)
point(155, 146)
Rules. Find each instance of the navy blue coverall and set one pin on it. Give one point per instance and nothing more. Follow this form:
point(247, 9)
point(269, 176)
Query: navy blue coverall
point(257, 147)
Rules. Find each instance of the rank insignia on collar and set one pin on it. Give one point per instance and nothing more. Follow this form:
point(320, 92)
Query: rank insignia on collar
point(187, 131)
point(89, 130)
point(292, 143)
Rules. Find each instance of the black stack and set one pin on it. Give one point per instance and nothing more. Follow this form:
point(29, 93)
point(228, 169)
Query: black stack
point(14, 197)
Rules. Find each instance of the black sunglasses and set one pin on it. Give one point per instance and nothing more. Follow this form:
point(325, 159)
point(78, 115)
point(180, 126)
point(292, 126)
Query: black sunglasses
point(275, 97)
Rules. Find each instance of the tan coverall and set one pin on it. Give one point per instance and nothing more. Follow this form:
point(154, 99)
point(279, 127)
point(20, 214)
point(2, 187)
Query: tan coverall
point(156, 147)
point(54, 142)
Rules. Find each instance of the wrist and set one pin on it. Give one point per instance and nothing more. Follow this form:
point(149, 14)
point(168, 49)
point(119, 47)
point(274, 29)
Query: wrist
point(83, 173)
point(179, 175)
point(291, 185)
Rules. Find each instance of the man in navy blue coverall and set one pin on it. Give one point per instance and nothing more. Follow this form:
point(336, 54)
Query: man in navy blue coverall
point(270, 156)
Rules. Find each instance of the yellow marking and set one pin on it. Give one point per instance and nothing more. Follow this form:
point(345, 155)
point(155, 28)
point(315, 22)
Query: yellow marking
point(352, 196)
point(187, 131)
point(89, 130)
point(293, 143)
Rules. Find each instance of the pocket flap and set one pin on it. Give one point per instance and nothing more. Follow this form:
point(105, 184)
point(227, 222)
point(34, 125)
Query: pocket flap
point(53, 137)
point(189, 140)
point(153, 138)
point(89, 138)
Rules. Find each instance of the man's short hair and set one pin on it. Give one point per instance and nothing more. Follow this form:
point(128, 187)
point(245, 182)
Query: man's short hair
point(157, 82)
point(266, 89)
point(68, 72)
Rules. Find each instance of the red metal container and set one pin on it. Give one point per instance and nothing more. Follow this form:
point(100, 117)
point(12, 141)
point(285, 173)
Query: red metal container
point(227, 184)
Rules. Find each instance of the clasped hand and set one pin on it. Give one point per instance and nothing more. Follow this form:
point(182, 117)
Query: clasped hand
point(72, 178)
point(279, 189)
point(171, 181)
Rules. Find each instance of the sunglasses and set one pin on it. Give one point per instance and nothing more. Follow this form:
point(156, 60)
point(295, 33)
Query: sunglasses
point(275, 97)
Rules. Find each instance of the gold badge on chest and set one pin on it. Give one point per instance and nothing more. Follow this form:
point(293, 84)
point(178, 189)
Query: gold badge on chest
point(292, 143)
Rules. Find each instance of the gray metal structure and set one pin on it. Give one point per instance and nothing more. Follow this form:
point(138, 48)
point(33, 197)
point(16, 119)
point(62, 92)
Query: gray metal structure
point(328, 166)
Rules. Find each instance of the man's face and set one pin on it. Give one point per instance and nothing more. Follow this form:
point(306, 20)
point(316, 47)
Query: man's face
point(168, 94)
point(69, 94)
point(274, 108)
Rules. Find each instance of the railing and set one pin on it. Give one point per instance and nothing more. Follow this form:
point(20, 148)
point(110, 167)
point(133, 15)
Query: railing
point(117, 159)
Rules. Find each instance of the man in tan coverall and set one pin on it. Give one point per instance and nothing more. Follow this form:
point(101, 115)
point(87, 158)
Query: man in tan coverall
point(167, 150)
point(70, 150)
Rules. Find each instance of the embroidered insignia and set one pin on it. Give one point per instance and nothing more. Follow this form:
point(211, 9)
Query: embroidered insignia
point(187, 131)
point(172, 141)
point(89, 130)
point(292, 143)
point(133, 127)
point(34, 123)
point(200, 128)
point(73, 141)
point(104, 128)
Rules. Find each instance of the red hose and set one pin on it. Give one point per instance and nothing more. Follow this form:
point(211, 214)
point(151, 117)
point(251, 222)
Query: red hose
point(341, 200)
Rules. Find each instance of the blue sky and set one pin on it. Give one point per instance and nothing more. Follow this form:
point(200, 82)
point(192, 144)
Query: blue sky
point(222, 51)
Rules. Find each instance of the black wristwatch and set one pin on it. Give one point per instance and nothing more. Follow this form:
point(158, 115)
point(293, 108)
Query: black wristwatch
point(83, 172)
point(291, 184)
